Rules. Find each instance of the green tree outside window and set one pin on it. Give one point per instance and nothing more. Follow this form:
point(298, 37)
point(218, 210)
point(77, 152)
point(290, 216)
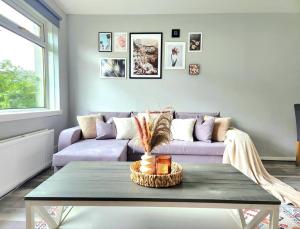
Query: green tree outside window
point(19, 88)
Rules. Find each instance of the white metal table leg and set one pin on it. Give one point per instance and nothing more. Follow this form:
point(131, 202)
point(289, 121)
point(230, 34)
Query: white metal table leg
point(274, 218)
point(29, 216)
point(242, 217)
point(46, 217)
point(258, 218)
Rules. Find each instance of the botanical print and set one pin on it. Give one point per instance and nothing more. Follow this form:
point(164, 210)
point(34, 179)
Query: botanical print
point(195, 42)
point(104, 41)
point(120, 42)
point(145, 55)
point(194, 69)
point(175, 55)
point(112, 68)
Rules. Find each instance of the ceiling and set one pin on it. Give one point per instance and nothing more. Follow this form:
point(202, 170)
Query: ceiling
point(105, 7)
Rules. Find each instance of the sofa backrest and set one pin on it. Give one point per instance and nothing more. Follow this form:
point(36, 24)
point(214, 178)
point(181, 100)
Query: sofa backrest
point(184, 115)
point(108, 115)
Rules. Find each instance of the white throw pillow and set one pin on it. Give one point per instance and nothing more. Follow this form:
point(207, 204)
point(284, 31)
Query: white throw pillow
point(126, 128)
point(183, 129)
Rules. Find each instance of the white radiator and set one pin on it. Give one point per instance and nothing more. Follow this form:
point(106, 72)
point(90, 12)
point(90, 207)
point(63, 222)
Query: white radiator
point(24, 156)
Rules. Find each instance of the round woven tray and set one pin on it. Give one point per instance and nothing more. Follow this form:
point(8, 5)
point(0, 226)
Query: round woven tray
point(156, 181)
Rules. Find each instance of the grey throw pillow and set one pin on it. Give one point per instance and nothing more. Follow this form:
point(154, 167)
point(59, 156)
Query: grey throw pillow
point(204, 130)
point(105, 130)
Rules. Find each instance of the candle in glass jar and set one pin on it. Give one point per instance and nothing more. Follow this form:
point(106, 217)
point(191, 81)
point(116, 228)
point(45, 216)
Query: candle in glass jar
point(163, 164)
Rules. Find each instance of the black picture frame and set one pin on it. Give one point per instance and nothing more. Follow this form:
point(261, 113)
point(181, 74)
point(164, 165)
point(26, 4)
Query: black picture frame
point(159, 55)
point(175, 33)
point(99, 48)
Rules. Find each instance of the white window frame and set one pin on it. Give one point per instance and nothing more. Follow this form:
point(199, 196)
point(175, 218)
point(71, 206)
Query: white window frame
point(51, 74)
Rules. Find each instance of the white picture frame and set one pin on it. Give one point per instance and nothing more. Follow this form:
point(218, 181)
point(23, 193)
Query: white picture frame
point(120, 42)
point(175, 55)
point(195, 42)
point(113, 68)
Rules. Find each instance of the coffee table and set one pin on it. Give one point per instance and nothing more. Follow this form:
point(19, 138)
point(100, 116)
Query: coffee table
point(109, 184)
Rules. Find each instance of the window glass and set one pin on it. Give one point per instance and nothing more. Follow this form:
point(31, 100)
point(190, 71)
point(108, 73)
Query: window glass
point(18, 18)
point(21, 72)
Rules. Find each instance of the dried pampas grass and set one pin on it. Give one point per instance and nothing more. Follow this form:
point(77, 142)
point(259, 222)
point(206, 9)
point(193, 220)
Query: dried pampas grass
point(154, 131)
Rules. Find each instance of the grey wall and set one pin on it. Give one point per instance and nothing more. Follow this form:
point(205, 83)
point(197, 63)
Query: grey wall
point(59, 122)
point(249, 71)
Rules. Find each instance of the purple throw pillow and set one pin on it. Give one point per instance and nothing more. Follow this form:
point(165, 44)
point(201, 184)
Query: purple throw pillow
point(204, 130)
point(105, 130)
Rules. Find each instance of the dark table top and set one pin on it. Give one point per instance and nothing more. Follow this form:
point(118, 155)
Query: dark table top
point(110, 181)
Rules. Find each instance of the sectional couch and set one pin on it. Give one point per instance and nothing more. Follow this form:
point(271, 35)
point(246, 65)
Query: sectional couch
point(71, 146)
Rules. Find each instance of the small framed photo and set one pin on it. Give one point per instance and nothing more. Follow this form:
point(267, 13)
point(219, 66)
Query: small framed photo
point(120, 42)
point(194, 69)
point(175, 33)
point(105, 41)
point(174, 55)
point(113, 68)
point(195, 42)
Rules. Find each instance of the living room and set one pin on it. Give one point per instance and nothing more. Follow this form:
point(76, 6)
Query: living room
point(101, 95)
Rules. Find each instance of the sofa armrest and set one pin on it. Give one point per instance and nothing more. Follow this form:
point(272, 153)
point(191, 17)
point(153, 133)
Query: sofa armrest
point(68, 137)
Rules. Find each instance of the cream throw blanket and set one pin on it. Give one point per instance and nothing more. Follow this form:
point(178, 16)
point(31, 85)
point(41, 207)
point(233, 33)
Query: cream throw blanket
point(242, 154)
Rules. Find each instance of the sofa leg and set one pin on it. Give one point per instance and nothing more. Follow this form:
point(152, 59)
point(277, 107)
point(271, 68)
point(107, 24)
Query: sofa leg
point(55, 169)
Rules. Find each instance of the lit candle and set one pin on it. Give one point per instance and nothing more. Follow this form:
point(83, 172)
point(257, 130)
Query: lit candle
point(163, 164)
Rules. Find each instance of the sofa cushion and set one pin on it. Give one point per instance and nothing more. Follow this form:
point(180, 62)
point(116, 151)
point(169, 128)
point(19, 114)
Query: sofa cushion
point(183, 148)
point(126, 128)
point(220, 128)
point(105, 130)
point(183, 129)
point(92, 150)
point(183, 115)
point(204, 129)
point(87, 124)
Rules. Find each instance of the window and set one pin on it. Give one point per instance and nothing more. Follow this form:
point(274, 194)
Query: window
point(18, 18)
point(28, 60)
point(21, 72)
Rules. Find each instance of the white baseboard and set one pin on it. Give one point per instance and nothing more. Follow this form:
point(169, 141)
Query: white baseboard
point(278, 158)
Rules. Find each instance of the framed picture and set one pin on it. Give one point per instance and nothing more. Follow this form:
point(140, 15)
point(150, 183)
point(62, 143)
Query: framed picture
point(175, 33)
point(120, 42)
point(145, 55)
point(113, 68)
point(104, 41)
point(194, 69)
point(195, 42)
point(174, 55)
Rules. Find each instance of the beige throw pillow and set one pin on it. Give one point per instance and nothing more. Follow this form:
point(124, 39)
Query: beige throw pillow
point(87, 125)
point(220, 128)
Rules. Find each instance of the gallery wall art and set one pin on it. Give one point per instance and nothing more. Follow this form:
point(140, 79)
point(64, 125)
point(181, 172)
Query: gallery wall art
point(175, 33)
point(195, 42)
point(145, 55)
point(174, 55)
point(194, 69)
point(113, 68)
point(105, 41)
point(120, 42)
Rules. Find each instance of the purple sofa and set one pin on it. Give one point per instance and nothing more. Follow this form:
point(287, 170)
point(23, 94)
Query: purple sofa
point(71, 147)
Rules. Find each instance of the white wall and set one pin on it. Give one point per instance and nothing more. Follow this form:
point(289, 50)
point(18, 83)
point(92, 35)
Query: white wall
point(249, 71)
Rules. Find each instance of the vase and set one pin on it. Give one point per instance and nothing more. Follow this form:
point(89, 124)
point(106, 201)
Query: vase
point(148, 164)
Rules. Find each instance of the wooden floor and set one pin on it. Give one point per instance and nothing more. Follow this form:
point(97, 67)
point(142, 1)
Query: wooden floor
point(12, 208)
